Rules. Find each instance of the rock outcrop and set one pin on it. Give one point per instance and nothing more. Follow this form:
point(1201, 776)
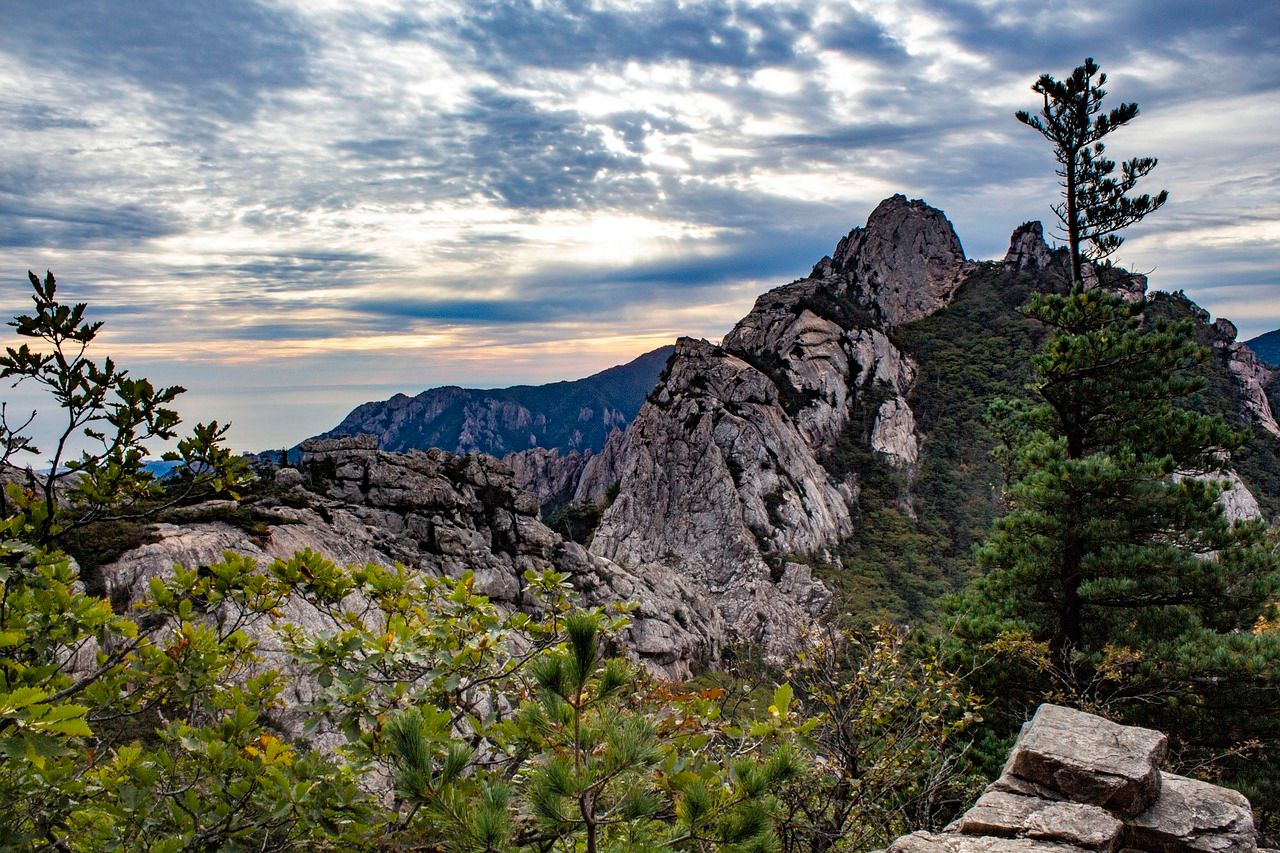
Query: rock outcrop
point(722, 472)
point(442, 514)
point(905, 264)
point(548, 475)
point(1250, 373)
point(1028, 252)
point(1076, 782)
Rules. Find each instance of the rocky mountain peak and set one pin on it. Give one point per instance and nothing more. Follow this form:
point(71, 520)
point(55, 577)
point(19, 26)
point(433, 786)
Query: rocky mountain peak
point(1027, 248)
point(906, 262)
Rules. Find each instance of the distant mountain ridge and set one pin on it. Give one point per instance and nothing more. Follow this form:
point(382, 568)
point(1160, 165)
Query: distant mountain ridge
point(1266, 346)
point(564, 416)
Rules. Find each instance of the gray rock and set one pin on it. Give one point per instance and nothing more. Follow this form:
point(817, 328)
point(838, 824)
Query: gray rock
point(714, 475)
point(932, 842)
point(1251, 375)
point(548, 475)
point(906, 263)
point(1027, 249)
point(443, 515)
point(1087, 759)
point(601, 471)
point(1015, 815)
point(720, 475)
point(1083, 777)
point(1190, 815)
point(894, 433)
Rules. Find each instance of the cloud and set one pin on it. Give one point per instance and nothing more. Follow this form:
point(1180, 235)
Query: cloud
point(70, 226)
point(222, 57)
point(285, 188)
point(576, 34)
point(533, 158)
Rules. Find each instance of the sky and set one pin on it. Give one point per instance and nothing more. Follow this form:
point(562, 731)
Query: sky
point(291, 207)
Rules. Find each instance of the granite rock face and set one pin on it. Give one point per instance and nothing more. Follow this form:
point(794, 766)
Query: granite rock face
point(600, 472)
point(1077, 782)
point(548, 475)
point(1028, 251)
point(1251, 375)
point(722, 475)
point(714, 475)
point(906, 263)
point(444, 515)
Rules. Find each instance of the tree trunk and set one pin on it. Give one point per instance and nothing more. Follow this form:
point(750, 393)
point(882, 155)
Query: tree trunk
point(1073, 223)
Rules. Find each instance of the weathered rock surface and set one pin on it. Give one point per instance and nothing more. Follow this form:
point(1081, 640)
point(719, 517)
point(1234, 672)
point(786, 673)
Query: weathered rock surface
point(1028, 251)
point(1000, 813)
point(1238, 503)
point(1088, 759)
point(721, 473)
point(933, 842)
point(601, 472)
point(444, 515)
point(1194, 815)
point(905, 264)
point(713, 475)
point(1250, 373)
point(548, 475)
point(1075, 781)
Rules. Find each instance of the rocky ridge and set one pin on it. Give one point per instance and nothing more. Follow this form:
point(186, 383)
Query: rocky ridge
point(440, 513)
point(722, 471)
point(1076, 782)
point(562, 416)
point(1252, 375)
point(726, 491)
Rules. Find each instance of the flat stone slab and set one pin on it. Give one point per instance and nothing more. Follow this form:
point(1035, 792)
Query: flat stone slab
point(932, 842)
point(1087, 759)
point(1015, 815)
point(1191, 815)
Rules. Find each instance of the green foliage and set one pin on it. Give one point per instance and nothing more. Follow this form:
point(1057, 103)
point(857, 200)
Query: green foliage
point(1114, 582)
point(110, 410)
point(914, 545)
point(576, 521)
point(1096, 202)
point(121, 734)
point(889, 740)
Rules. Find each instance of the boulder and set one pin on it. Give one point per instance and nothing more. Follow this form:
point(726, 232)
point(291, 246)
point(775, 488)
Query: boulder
point(1016, 815)
point(933, 842)
point(1191, 815)
point(1087, 759)
point(1075, 781)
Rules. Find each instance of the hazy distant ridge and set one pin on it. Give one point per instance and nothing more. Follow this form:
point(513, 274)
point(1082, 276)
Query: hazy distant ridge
point(1266, 346)
point(570, 415)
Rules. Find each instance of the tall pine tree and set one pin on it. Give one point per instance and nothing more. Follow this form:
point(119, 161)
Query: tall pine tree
point(1115, 581)
point(1096, 203)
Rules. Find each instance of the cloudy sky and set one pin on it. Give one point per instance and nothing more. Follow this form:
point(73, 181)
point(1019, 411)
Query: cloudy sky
point(293, 206)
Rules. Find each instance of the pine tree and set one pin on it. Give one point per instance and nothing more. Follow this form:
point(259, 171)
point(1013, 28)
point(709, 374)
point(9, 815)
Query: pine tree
point(1096, 204)
point(1115, 582)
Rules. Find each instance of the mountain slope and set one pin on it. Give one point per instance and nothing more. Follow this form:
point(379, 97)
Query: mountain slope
point(1266, 346)
point(563, 416)
point(722, 473)
point(840, 429)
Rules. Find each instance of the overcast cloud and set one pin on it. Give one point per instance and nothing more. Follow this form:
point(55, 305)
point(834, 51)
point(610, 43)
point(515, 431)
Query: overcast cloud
point(293, 207)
